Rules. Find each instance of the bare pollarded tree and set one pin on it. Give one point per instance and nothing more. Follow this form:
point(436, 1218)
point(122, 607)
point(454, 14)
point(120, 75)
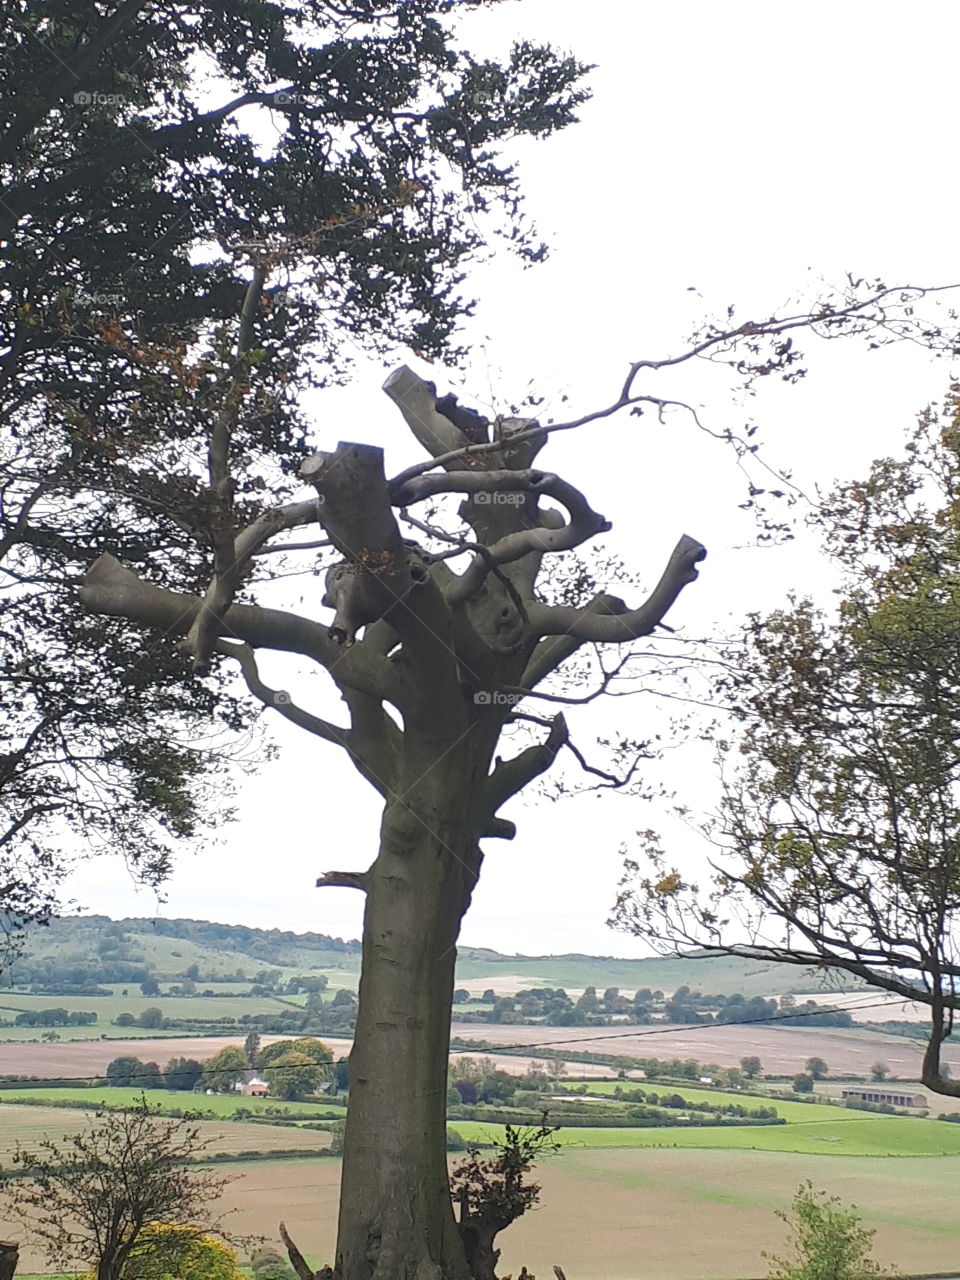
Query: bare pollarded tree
point(433, 665)
point(453, 654)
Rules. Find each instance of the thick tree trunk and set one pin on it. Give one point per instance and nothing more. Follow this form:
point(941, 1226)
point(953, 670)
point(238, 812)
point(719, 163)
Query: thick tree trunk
point(396, 1219)
point(9, 1256)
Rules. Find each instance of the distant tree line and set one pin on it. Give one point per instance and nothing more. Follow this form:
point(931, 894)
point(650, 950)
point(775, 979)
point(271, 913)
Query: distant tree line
point(554, 1007)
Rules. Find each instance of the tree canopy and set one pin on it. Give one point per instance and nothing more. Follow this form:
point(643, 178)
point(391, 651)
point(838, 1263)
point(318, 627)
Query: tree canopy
point(141, 209)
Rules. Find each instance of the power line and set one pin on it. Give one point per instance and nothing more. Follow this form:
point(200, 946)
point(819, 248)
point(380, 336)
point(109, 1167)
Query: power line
point(539, 1044)
point(695, 1026)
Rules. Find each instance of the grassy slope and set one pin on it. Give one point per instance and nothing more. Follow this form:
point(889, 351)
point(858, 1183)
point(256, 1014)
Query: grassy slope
point(792, 1112)
point(78, 939)
point(875, 1136)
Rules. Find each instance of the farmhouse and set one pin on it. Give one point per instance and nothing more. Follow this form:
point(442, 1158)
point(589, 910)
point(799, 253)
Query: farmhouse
point(894, 1097)
point(255, 1089)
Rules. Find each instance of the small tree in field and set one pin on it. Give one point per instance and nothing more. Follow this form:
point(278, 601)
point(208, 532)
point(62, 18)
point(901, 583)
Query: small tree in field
point(95, 1198)
point(817, 1068)
point(879, 1072)
point(828, 1241)
point(751, 1066)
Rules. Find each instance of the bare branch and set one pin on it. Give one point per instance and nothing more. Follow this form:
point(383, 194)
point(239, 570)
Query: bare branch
point(511, 776)
point(278, 699)
point(297, 1260)
point(584, 522)
point(354, 508)
point(589, 624)
point(343, 880)
point(228, 567)
point(111, 589)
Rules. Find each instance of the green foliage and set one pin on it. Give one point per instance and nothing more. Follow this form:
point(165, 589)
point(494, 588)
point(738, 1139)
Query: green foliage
point(817, 1068)
point(293, 1075)
point(269, 1264)
point(124, 271)
point(225, 1069)
point(802, 1083)
point(751, 1066)
point(839, 830)
point(828, 1241)
point(173, 1251)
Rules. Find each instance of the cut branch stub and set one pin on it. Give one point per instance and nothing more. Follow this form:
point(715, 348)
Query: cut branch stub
point(354, 507)
point(451, 434)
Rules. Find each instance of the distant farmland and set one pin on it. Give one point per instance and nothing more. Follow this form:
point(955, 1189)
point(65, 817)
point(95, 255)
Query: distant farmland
point(783, 1050)
point(628, 1215)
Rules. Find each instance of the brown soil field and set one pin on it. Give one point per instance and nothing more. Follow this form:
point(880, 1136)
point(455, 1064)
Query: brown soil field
point(782, 1050)
point(90, 1057)
point(28, 1124)
point(884, 1006)
point(647, 1215)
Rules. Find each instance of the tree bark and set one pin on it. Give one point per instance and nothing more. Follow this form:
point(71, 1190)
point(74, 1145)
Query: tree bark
point(396, 1218)
point(9, 1257)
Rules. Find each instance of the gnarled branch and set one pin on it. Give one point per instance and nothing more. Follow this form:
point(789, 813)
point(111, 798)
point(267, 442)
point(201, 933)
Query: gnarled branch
point(111, 589)
point(614, 628)
point(511, 776)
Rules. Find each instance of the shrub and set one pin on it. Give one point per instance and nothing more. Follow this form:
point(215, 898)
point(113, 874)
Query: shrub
point(828, 1240)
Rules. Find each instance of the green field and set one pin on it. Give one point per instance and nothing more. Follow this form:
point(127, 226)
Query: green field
point(220, 1104)
point(792, 1112)
point(846, 1136)
point(713, 975)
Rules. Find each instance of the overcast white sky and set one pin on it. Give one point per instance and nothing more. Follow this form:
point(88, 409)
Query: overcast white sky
point(746, 149)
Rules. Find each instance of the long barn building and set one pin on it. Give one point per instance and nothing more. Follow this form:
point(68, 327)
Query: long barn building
point(894, 1097)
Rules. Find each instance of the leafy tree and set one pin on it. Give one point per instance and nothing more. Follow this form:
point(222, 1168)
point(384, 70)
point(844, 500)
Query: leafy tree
point(817, 1068)
point(293, 1075)
point(150, 1076)
point(124, 1072)
point(461, 995)
point(225, 1069)
point(173, 1251)
point(387, 157)
point(802, 1083)
point(88, 1199)
point(251, 1048)
point(827, 1239)
point(344, 999)
point(467, 1091)
point(124, 1020)
point(879, 1072)
point(269, 1264)
point(150, 987)
point(183, 1074)
point(313, 1049)
point(839, 834)
point(151, 1017)
point(751, 1066)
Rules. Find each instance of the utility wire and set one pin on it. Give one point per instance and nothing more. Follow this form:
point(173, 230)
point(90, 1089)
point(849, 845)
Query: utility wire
point(6, 1082)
